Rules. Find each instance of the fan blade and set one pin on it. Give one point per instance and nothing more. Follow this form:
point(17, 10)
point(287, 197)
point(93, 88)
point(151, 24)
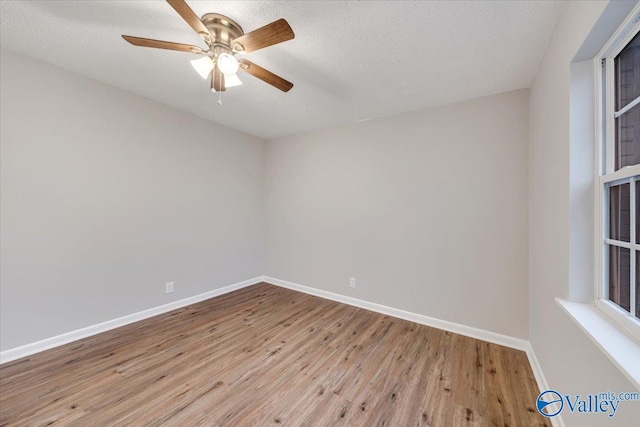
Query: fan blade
point(274, 33)
point(192, 19)
point(265, 75)
point(139, 41)
point(217, 81)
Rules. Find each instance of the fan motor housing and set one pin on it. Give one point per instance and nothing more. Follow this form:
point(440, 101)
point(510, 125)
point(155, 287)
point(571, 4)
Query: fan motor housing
point(223, 28)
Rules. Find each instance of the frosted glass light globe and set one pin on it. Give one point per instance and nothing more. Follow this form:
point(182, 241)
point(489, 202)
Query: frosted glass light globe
point(203, 66)
point(228, 64)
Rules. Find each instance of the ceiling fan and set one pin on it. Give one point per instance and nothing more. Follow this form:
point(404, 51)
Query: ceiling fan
point(224, 38)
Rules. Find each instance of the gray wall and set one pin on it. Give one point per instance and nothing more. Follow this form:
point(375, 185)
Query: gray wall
point(106, 196)
point(427, 210)
point(571, 363)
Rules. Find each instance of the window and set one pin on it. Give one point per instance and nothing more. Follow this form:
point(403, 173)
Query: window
point(618, 287)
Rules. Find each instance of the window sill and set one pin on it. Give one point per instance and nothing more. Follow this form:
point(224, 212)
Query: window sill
point(617, 345)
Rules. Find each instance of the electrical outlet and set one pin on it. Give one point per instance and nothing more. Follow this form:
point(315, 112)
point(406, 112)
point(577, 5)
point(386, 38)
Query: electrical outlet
point(352, 282)
point(169, 288)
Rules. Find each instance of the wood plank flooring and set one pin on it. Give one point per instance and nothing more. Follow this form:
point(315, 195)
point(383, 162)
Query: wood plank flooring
point(264, 355)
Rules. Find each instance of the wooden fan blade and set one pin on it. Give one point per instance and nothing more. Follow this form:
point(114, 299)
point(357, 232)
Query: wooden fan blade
point(160, 44)
point(274, 33)
point(265, 75)
point(217, 81)
point(192, 19)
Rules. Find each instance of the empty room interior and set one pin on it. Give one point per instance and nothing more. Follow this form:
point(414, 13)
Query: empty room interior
point(319, 213)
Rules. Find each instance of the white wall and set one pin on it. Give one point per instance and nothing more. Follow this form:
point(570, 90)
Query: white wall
point(106, 196)
point(571, 362)
point(427, 210)
point(581, 181)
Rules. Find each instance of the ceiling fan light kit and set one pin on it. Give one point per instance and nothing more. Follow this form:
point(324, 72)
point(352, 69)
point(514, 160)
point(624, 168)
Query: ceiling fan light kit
point(232, 80)
point(228, 64)
point(203, 66)
point(224, 38)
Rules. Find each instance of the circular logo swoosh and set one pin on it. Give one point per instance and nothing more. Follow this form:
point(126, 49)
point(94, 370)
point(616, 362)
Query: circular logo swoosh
point(546, 398)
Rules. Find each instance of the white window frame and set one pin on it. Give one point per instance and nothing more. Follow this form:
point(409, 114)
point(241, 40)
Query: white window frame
point(606, 176)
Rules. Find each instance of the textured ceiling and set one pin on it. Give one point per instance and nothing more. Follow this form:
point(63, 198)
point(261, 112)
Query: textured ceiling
point(350, 60)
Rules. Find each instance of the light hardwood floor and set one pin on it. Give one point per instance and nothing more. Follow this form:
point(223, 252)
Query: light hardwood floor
point(264, 355)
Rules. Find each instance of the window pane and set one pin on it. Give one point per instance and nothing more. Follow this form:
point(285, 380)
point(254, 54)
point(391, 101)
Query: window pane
point(637, 212)
point(627, 73)
point(619, 211)
point(637, 285)
point(628, 138)
point(619, 276)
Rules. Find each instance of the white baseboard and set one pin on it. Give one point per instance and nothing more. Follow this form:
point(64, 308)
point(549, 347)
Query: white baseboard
point(48, 343)
point(481, 334)
point(541, 380)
